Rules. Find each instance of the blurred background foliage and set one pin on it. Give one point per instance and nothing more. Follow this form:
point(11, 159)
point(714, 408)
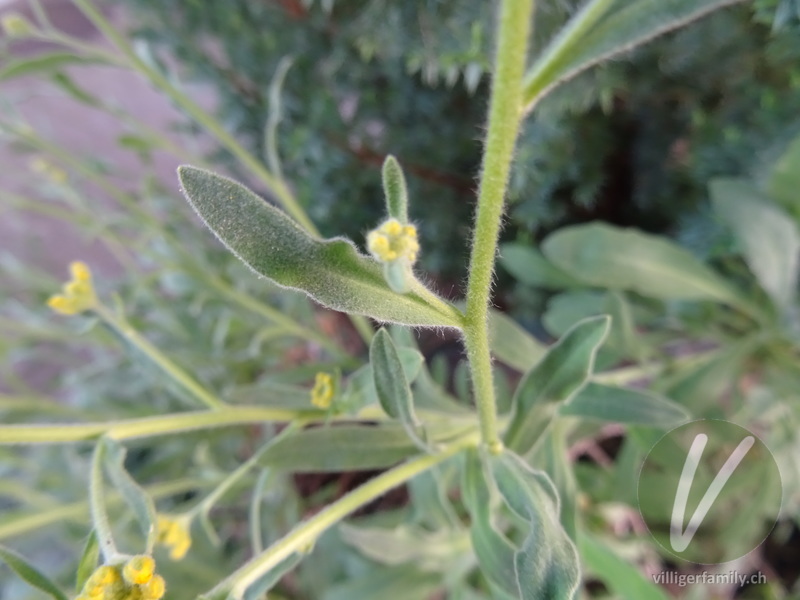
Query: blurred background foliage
point(633, 142)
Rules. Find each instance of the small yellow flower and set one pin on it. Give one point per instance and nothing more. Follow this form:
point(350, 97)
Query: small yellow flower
point(77, 294)
point(322, 392)
point(104, 584)
point(393, 241)
point(49, 170)
point(154, 589)
point(139, 570)
point(174, 533)
point(14, 25)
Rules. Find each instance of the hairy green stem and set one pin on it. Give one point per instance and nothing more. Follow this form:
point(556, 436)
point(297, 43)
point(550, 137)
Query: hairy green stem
point(504, 121)
point(181, 377)
point(56, 433)
point(306, 533)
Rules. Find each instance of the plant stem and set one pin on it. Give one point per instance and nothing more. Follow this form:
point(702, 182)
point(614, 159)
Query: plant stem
point(305, 534)
point(504, 121)
point(55, 433)
point(165, 363)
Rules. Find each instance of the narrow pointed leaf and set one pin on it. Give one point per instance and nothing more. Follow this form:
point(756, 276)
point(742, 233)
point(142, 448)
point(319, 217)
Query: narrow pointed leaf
point(394, 189)
point(624, 405)
point(331, 271)
point(495, 553)
point(546, 563)
point(604, 29)
point(30, 574)
point(511, 344)
point(42, 63)
point(391, 385)
point(137, 499)
point(88, 562)
point(561, 373)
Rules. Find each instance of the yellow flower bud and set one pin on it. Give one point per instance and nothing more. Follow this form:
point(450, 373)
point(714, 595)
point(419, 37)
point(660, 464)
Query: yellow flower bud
point(78, 293)
point(392, 241)
point(322, 392)
point(139, 570)
point(174, 533)
point(16, 26)
point(154, 589)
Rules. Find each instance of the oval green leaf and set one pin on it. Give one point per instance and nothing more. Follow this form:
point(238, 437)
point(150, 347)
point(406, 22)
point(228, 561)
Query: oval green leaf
point(331, 271)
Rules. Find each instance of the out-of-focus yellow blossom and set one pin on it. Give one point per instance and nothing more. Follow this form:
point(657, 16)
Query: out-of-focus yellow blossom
point(14, 25)
point(139, 570)
point(136, 580)
point(174, 533)
point(393, 241)
point(46, 168)
point(322, 392)
point(77, 294)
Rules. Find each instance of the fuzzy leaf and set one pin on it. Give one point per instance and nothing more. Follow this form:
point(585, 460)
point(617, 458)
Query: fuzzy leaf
point(391, 384)
point(88, 561)
point(495, 553)
point(394, 189)
point(511, 344)
point(137, 499)
point(30, 574)
point(347, 447)
point(626, 259)
point(559, 375)
point(768, 237)
point(624, 405)
point(606, 28)
point(331, 271)
point(546, 562)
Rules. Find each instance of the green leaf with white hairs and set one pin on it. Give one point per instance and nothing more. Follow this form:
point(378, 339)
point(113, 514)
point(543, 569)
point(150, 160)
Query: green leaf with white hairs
point(616, 258)
point(395, 190)
point(561, 373)
point(603, 29)
point(624, 405)
point(546, 562)
point(494, 552)
point(768, 237)
point(88, 562)
point(136, 498)
point(331, 271)
point(360, 390)
point(512, 344)
point(391, 384)
point(30, 574)
point(350, 447)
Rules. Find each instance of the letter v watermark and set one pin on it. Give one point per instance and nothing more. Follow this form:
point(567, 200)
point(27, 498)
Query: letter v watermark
point(680, 539)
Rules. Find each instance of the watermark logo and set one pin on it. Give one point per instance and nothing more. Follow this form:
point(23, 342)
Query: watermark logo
point(709, 491)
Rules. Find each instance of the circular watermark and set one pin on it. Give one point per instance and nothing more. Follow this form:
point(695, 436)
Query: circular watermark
point(710, 491)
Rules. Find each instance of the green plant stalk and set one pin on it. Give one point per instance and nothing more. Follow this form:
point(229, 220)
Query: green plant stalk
point(19, 524)
point(305, 534)
point(165, 363)
point(56, 433)
point(504, 121)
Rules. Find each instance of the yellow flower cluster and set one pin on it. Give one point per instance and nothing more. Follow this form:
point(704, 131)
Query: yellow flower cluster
point(174, 533)
point(136, 580)
point(78, 293)
point(393, 241)
point(322, 392)
point(49, 170)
